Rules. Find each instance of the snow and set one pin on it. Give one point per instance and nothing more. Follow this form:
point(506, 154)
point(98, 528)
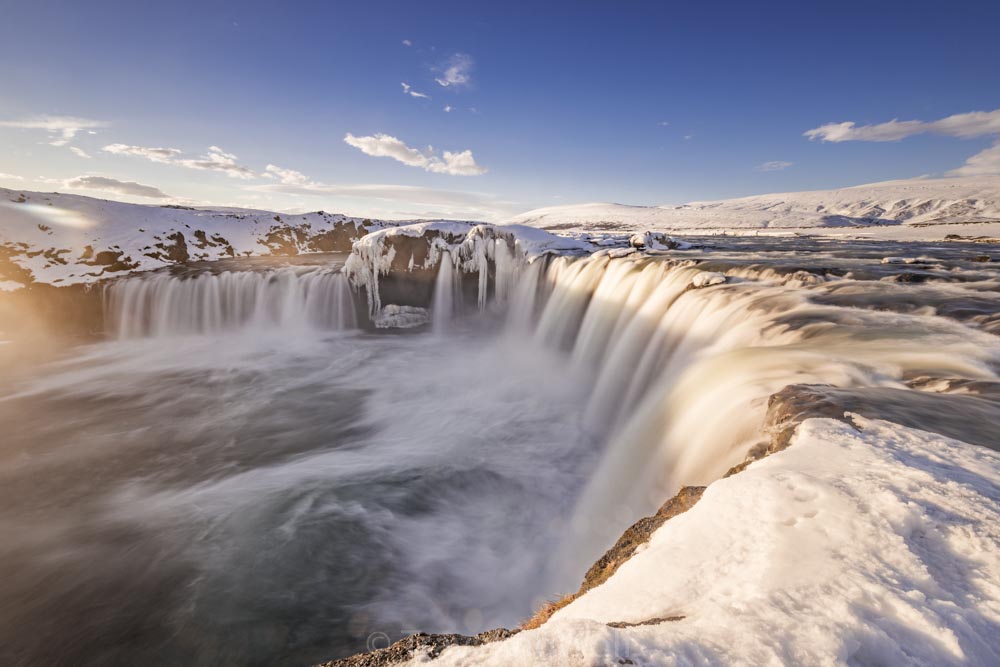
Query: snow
point(965, 205)
point(470, 246)
point(707, 279)
point(871, 547)
point(56, 229)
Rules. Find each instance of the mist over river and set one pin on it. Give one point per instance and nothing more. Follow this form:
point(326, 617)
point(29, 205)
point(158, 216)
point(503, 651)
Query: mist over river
point(248, 470)
point(269, 497)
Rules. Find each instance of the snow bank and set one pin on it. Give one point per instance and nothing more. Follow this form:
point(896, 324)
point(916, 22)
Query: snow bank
point(63, 239)
point(914, 202)
point(873, 547)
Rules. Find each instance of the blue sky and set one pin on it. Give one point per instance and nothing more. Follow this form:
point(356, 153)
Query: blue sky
point(551, 103)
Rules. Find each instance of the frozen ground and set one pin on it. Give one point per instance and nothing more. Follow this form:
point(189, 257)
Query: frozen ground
point(964, 205)
point(58, 238)
point(871, 547)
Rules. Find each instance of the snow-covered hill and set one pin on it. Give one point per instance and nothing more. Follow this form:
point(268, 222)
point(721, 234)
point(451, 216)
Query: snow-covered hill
point(62, 239)
point(909, 202)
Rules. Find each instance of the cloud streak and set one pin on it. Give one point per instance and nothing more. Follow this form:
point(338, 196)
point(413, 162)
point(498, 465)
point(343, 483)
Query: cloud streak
point(215, 159)
point(460, 163)
point(105, 184)
point(962, 125)
point(774, 165)
point(408, 90)
point(61, 129)
point(984, 163)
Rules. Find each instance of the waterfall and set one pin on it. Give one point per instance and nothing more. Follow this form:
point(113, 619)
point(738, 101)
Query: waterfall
point(447, 294)
point(684, 362)
point(290, 299)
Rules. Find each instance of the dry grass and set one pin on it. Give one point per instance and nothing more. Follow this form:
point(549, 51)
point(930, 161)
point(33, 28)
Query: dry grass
point(545, 612)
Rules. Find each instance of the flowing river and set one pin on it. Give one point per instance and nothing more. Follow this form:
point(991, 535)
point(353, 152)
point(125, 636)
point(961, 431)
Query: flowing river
point(241, 475)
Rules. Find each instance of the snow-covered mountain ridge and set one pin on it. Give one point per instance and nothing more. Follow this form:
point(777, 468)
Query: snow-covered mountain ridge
point(907, 202)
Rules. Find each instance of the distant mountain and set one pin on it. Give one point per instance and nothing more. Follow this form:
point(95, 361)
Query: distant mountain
point(908, 202)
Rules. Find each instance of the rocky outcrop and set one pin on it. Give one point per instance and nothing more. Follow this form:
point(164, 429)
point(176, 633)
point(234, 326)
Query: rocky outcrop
point(421, 644)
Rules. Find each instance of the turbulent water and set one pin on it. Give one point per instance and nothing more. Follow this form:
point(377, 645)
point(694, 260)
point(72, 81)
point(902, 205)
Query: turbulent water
point(242, 476)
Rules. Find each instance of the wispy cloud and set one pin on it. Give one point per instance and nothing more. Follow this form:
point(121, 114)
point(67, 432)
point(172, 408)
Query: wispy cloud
point(664, 123)
point(407, 42)
point(963, 125)
point(774, 165)
point(383, 145)
point(215, 159)
point(286, 176)
point(152, 154)
point(448, 108)
point(61, 129)
point(79, 152)
point(408, 90)
point(105, 184)
point(986, 162)
point(431, 202)
point(456, 72)
point(10, 177)
point(218, 160)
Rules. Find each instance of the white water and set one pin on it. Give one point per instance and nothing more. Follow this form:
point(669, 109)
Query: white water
point(445, 482)
point(447, 293)
point(683, 374)
point(164, 305)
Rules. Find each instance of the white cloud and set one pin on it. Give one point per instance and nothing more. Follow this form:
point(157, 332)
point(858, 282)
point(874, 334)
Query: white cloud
point(79, 152)
point(219, 160)
point(382, 145)
point(408, 90)
point(407, 42)
point(664, 123)
point(963, 125)
point(105, 184)
point(448, 108)
point(10, 177)
point(153, 154)
point(774, 165)
point(986, 162)
point(61, 129)
point(456, 71)
point(215, 160)
point(286, 176)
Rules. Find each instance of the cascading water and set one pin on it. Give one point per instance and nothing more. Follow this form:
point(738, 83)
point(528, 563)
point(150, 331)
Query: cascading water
point(162, 305)
point(281, 496)
point(447, 294)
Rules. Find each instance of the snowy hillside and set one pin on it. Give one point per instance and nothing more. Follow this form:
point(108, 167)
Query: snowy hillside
point(909, 202)
point(869, 547)
point(62, 239)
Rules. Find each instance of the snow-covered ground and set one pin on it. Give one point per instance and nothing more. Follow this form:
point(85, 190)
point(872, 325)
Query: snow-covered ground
point(63, 239)
point(964, 205)
point(58, 238)
point(878, 547)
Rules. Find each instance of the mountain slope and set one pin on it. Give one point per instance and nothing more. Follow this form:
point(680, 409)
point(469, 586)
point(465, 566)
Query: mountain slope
point(909, 202)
